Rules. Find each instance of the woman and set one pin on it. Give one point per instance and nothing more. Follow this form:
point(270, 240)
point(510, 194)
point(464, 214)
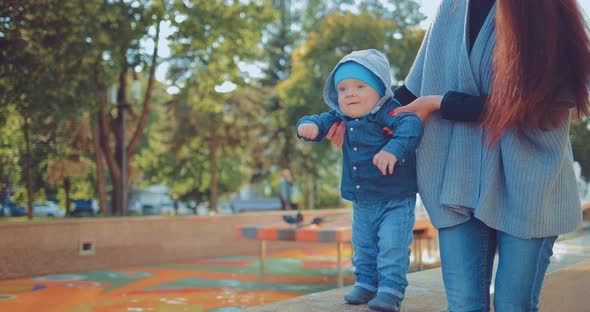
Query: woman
point(494, 82)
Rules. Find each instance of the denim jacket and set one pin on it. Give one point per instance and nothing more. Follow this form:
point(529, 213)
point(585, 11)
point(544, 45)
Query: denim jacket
point(361, 179)
point(364, 138)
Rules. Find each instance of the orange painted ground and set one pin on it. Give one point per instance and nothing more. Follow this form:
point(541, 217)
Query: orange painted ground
point(221, 284)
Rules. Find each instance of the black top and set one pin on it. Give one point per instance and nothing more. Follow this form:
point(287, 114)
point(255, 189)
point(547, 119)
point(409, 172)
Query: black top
point(458, 106)
point(478, 12)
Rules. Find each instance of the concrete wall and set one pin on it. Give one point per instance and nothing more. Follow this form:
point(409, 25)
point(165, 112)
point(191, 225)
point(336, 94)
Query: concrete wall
point(37, 248)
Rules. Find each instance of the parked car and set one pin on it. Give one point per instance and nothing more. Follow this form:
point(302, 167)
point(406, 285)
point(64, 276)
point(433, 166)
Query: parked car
point(135, 206)
point(203, 208)
point(15, 211)
point(149, 210)
point(84, 207)
point(4, 211)
point(12, 210)
point(48, 209)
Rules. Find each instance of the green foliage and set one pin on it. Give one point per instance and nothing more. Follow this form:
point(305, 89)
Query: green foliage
point(212, 38)
point(178, 151)
point(82, 188)
point(56, 57)
point(580, 138)
point(46, 58)
point(10, 148)
point(45, 55)
point(327, 191)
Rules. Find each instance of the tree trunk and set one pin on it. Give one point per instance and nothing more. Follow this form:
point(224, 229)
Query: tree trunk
point(213, 162)
point(67, 186)
point(113, 166)
point(102, 193)
point(28, 168)
point(116, 197)
point(286, 153)
point(109, 124)
point(105, 126)
point(3, 191)
point(311, 191)
point(120, 143)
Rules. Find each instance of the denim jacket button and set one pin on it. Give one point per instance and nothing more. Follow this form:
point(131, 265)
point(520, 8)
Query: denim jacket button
point(354, 149)
point(351, 129)
point(358, 187)
point(354, 168)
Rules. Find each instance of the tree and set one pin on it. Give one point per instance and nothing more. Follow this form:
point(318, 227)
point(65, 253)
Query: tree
point(291, 26)
point(211, 41)
point(10, 151)
point(71, 141)
point(123, 25)
point(44, 68)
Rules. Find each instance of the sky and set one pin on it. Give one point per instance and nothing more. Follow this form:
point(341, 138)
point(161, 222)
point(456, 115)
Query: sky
point(428, 8)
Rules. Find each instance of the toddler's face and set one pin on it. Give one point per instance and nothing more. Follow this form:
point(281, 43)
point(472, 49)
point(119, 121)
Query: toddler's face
point(356, 98)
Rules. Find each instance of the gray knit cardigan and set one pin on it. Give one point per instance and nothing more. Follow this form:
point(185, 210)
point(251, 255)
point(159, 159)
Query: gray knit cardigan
point(524, 186)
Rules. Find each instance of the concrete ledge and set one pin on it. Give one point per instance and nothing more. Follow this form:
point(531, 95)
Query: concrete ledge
point(565, 288)
point(53, 247)
point(425, 293)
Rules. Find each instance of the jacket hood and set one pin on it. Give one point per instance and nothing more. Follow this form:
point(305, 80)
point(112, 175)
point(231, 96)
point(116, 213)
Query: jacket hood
point(373, 60)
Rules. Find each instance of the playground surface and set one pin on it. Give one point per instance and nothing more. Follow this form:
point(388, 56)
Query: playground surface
point(219, 284)
point(226, 284)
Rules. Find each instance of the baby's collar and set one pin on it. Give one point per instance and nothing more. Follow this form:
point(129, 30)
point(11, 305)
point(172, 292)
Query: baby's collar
point(379, 104)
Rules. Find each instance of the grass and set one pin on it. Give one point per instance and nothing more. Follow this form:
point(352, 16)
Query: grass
point(25, 218)
point(100, 215)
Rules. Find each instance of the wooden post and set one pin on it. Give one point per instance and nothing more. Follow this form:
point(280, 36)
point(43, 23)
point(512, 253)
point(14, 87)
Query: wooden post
point(340, 278)
point(262, 258)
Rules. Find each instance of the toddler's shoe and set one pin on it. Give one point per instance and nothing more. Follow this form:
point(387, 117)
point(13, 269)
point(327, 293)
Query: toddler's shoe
point(359, 295)
point(385, 302)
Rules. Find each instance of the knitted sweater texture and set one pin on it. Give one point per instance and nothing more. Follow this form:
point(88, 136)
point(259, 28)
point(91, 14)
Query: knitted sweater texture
point(525, 185)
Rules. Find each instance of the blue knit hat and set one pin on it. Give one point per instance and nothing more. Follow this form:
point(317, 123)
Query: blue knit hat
point(357, 71)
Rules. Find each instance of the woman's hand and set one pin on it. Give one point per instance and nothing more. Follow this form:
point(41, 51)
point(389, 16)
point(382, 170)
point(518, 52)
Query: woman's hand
point(336, 134)
point(422, 106)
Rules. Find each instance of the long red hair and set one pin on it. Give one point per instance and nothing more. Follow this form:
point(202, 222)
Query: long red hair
point(541, 66)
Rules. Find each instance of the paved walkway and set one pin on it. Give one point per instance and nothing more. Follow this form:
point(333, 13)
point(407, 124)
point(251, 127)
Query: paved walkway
point(566, 287)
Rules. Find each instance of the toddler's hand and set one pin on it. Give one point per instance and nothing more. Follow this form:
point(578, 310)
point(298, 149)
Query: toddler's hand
point(308, 131)
point(385, 162)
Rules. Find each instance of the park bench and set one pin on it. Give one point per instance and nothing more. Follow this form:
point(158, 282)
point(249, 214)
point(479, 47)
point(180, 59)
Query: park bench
point(256, 204)
point(336, 230)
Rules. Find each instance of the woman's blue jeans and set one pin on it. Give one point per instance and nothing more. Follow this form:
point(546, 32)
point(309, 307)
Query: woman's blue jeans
point(467, 255)
point(381, 235)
